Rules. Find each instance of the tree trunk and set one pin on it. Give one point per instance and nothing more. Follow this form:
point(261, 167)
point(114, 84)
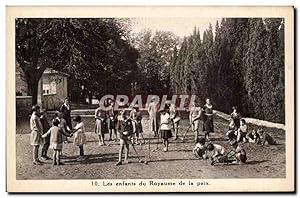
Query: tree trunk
point(33, 89)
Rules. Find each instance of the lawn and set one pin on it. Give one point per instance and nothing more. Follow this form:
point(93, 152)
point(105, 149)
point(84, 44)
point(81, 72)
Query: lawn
point(179, 162)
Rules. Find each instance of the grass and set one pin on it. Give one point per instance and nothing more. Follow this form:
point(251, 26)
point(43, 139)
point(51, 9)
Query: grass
point(179, 162)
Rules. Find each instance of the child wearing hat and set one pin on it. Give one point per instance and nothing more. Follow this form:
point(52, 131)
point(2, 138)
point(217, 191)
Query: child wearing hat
point(79, 135)
point(56, 140)
point(36, 133)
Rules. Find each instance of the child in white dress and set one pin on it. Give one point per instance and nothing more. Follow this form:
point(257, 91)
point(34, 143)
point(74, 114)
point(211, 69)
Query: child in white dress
point(79, 136)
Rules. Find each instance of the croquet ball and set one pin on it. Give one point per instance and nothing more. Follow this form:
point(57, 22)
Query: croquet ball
point(146, 162)
point(140, 161)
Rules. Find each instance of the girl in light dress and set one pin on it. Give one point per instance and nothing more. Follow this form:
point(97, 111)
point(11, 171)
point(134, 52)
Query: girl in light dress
point(79, 136)
point(56, 134)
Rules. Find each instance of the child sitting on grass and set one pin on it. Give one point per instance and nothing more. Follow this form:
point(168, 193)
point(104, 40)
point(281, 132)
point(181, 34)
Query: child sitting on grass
point(253, 137)
point(200, 150)
point(265, 138)
point(56, 140)
point(239, 153)
point(217, 150)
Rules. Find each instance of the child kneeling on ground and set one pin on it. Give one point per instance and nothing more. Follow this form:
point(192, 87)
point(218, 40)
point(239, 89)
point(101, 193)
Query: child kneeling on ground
point(217, 150)
point(56, 140)
point(200, 149)
point(125, 130)
point(240, 153)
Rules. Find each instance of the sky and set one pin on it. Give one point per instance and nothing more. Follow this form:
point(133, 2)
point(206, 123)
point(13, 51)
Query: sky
point(179, 26)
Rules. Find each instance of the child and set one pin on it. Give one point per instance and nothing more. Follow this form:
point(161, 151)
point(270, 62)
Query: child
point(111, 121)
point(236, 117)
point(79, 136)
point(208, 119)
point(200, 149)
point(165, 128)
point(100, 126)
point(153, 116)
point(62, 124)
point(194, 118)
point(56, 140)
point(36, 133)
point(217, 150)
point(46, 127)
point(232, 128)
point(240, 153)
point(175, 118)
point(242, 131)
point(136, 118)
point(265, 138)
point(253, 137)
point(125, 129)
point(231, 136)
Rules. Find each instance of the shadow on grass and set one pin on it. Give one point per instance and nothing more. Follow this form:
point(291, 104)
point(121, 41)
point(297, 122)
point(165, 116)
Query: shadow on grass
point(171, 160)
point(98, 158)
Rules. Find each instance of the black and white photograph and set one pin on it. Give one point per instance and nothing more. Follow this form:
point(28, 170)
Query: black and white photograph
point(160, 103)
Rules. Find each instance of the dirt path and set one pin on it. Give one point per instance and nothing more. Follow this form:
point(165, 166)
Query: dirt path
point(179, 162)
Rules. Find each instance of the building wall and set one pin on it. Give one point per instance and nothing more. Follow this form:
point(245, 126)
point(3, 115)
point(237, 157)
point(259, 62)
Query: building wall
point(54, 100)
point(23, 104)
point(46, 101)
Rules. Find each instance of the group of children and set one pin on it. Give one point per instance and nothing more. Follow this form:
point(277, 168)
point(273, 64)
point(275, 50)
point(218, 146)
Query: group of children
point(127, 127)
point(53, 137)
point(107, 120)
point(237, 135)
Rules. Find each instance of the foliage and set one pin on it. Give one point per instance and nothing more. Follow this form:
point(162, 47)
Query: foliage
point(241, 64)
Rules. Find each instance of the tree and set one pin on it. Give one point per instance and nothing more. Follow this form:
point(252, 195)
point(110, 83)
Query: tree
point(156, 50)
point(96, 52)
point(40, 43)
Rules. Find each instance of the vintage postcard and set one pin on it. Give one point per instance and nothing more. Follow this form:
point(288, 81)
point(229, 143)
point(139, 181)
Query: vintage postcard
point(150, 99)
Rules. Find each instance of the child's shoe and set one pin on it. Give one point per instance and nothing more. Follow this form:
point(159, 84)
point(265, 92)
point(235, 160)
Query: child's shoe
point(43, 158)
point(118, 163)
point(48, 158)
point(126, 162)
point(37, 163)
point(40, 161)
